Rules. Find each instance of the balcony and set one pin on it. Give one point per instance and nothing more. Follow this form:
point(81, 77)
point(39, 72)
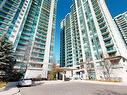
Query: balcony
point(38, 47)
point(96, 8)
point(98, 12)
point(4, 15)
point(101, 23)
point(69, 56)
point(107, 38)
point(43, 36)
point(6, 20)
point(25, 38)
point(19, 54)
point(111, 51)
point(100, 19)
point(30, 20)
point(6, 24)
point(37, 57)
point(39, 42)
point(10, 7)
point(3, 26)
point(22, 43)
point(40, 38)
point(15, 1)
point(25, 33)
point(105, 33)
point(99, 16)
point(38, 52)
point(8, 13)
point(29, 25)
point(69, 63)
point(103, 27)
point(3, 29)
point(109, 44)
point(42, 28)
point(95, 4)
point(27, 29)
point(20, 48)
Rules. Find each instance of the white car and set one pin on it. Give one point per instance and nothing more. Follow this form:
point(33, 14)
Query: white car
point(25, 82)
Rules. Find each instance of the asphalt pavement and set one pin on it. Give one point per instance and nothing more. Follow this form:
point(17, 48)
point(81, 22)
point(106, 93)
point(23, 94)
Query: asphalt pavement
point(74, 88)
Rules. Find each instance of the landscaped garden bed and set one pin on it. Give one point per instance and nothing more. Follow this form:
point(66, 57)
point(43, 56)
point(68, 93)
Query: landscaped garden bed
point(2, 84)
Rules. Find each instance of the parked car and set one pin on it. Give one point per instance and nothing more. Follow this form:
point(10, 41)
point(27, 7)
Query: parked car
point(25, 82)
point(67, 79)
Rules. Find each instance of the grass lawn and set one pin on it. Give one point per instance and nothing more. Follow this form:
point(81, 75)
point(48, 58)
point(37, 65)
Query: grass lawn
point(2, 84)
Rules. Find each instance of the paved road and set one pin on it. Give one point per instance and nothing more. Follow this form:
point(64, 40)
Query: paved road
point(74, 88)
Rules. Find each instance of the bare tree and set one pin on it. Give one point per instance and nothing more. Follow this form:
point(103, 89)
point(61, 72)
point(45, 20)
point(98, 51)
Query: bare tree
point(26, 56)
point(107, 69)
point(52, 74)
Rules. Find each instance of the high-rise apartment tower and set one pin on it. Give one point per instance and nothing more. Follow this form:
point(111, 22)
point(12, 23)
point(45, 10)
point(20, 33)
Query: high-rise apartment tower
point(30, 26)
point(91, 40)
point(121, 21)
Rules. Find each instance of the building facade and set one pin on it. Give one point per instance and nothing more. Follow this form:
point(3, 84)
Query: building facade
point(30, 26)
point(92, 42)
point(121, 21)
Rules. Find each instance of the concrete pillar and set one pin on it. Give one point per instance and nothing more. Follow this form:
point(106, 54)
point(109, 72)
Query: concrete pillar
point(63, 75)
point(72, 75)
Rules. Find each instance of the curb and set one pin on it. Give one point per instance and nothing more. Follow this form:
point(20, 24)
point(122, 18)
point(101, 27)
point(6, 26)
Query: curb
point(1, 89)
point(17, 93)
point(83, 81)
point(12, 91)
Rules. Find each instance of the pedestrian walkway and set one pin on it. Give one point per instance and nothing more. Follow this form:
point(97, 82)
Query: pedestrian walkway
point(53, 82)
point(85, 81)
point(101, 82)
point(10, 89)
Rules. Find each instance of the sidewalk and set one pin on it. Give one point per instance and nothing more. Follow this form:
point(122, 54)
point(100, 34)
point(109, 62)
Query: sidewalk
point(84, 81)
point(49, 82)
point(1, 89)
point(10, 89)
point(100, 82)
